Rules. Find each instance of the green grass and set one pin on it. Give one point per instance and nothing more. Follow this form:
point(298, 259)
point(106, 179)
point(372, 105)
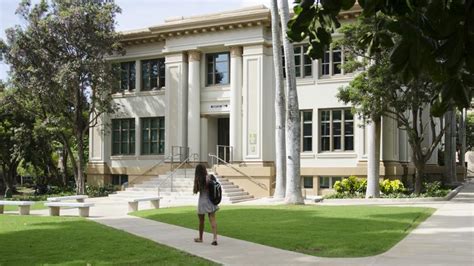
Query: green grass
point(326, 231)
point(36, 206)
point(33, 240)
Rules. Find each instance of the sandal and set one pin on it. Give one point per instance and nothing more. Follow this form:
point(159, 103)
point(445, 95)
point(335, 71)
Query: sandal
point(214, 243)
point(198, 240)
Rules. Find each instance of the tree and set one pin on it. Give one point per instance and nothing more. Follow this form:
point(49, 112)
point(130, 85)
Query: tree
point(60, 57)
point(470, 131)
point(293, 130)
point(280, 149)
point(436, 40)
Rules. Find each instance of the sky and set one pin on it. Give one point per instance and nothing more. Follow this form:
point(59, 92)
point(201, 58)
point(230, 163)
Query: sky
point(137, 13)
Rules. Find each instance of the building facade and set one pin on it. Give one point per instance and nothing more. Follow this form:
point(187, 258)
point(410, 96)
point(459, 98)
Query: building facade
point(205, 85)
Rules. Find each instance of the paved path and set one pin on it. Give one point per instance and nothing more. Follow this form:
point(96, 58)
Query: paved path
point(446, 238)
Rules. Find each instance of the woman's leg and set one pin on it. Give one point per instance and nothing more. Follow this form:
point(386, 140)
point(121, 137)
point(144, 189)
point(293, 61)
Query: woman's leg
point(212, 220)
point(201, 227)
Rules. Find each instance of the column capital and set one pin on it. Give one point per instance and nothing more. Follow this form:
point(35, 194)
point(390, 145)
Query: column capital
point(236, 51)
point(194, 55)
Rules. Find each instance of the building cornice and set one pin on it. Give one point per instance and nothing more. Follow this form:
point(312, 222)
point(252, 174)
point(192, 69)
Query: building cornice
point(230, 20)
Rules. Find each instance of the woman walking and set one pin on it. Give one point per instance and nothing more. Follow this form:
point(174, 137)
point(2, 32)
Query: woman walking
point(205, 206)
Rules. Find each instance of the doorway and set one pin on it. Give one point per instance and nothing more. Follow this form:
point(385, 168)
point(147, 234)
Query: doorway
point(223, 139)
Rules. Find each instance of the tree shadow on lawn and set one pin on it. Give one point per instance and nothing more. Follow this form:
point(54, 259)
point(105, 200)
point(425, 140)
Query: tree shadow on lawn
point(336, 231)
point(28, 240)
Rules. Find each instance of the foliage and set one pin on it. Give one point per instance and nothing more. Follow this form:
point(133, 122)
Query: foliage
point(77, 241)
point(100, 191)
point(60, 56)
point(388, 187)
point(329, 231)
point(470, 131)
point(435, 189)
point(436, 40)
point(351, 185)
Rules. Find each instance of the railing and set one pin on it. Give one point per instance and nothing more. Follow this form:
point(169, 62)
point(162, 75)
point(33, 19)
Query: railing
point(193, 156)
point(179, 151)
point(237, 170)
point(156, 165)
point(225, 153)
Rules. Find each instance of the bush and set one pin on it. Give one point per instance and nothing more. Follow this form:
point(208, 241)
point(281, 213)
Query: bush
point(391, 187)
point(350, 185)
point(434, 189)
point(103, 191)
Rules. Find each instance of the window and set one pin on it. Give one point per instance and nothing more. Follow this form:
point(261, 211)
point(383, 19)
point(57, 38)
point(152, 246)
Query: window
point(123, 136)
point(332, 62)
point(118, 180)
point(153, 74)
point(303, 63)
point(328, 181)
point(153, 135)
point(127, 76)
point(218, 66)
point(307, 132)
point(336, 130)
point(307, 181)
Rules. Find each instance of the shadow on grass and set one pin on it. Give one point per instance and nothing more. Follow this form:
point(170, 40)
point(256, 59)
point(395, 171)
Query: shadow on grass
point(28, 240)
point(336, 231)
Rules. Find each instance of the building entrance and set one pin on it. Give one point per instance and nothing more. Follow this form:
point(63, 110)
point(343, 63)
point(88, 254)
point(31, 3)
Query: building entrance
point(223, 139)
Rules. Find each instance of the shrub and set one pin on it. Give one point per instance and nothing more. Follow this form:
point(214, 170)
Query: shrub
point(102, 191)
point(434, 189)
point(391, 187)
point(350, 185)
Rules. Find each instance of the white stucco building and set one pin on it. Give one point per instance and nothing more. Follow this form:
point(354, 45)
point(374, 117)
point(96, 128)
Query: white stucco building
point(205, 81)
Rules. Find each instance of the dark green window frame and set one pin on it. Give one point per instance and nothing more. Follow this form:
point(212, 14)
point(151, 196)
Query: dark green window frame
point(306, 117)
point(127, 76)
point(153, 74)
point(336, 130)
point(123, 136)
point(153, 135)
point(303, 62)
point(214, 75)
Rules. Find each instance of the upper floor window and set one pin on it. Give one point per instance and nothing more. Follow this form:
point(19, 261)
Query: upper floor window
point(337, 130)
point(123, 136)
point(303, 63)
point(153, 135)
point(332, 62)
point(153, 74)
point(218, 66)
point(307, 130)
point(127, 76)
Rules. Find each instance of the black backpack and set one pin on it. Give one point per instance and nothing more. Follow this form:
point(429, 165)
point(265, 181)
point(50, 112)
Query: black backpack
point(215, 190)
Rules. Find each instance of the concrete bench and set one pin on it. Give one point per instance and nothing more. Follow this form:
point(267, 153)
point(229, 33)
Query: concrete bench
point(133, 204)
point(23, 206)
point(78, 198)
point(54, 207)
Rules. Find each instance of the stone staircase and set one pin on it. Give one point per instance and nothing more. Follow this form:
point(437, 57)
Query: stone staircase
point(181, 191)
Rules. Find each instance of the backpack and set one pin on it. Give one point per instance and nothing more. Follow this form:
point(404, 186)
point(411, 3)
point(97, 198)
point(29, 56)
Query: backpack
point(215, 190)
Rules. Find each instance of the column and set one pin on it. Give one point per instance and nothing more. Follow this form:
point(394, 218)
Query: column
point(194, 103)
point(138, 75)
point(235, 119)
point(176, 101)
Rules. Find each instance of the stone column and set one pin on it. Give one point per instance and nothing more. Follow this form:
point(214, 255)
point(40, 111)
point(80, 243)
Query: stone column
point(138, 75)
point(235, 119)
point(194, 103)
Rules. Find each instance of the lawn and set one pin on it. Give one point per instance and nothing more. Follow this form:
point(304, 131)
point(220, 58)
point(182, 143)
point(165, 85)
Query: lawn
point(326, 231)
point(36, 206)
point(32, 240)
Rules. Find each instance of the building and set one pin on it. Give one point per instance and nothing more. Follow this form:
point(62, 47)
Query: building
point(206, 83)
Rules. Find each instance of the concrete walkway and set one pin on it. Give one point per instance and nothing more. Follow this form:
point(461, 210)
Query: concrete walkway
point(446, 238)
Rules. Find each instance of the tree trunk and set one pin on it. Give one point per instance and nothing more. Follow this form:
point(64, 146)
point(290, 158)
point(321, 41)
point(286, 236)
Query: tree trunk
point(64, 166)
point(293, 130)
point(419, 173)
point(80, 186)
point(450, 147)
point(462, 136)
point(280, 149)
point(373, 166)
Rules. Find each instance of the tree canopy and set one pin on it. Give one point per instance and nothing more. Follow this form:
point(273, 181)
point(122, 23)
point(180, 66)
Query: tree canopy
point(436, 40)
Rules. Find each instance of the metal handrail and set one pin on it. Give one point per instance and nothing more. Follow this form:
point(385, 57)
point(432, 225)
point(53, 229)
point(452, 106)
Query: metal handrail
point(238, 171)
point(225, 148)
point(194, 156)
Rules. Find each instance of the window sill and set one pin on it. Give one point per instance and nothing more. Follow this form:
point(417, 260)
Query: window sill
point(336, 155)
point(123, 157)
point(305, 81)
point(307, 155)
point(217, 87)
point(335, 78)
point(138, 93)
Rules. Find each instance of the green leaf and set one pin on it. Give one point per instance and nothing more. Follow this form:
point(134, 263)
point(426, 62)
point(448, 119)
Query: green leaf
point(347, 4)
point(399, 56)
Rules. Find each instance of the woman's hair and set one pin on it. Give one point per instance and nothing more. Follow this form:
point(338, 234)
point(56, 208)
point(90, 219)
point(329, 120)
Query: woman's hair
point(199, 178)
